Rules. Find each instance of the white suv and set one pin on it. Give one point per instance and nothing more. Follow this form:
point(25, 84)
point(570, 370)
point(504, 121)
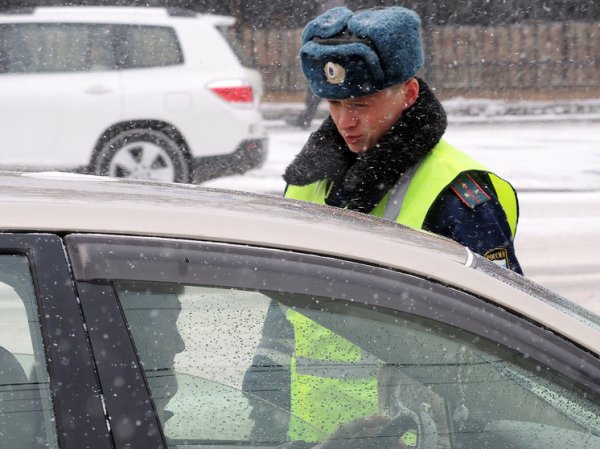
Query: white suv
point(146, 93)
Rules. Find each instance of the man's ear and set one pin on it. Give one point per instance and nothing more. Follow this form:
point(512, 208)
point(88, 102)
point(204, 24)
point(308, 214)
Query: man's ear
point(411, 92)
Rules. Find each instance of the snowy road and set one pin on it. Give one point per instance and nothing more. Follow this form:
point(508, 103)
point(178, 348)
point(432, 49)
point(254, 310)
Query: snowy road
point(555, 167)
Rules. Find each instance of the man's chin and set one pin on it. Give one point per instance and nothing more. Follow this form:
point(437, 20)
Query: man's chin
point(358, 148)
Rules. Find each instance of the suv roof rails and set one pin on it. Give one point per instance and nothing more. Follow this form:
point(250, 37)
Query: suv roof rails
point(181, 12)
point(26, 10)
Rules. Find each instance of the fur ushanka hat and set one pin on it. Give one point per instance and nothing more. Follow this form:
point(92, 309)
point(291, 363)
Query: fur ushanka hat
point(346, 55)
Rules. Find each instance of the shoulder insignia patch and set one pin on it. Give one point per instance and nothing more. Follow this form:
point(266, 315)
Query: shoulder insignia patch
point(469, 191)
point(499, 256)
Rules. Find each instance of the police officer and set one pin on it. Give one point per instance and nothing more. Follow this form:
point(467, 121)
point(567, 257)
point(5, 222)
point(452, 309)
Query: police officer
point(381, 151)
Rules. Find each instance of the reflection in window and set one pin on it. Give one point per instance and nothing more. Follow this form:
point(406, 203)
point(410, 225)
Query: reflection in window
point(229, 366)
point(26, 414)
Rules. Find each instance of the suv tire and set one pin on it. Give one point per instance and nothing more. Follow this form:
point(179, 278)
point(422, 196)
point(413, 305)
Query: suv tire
point(142, 154)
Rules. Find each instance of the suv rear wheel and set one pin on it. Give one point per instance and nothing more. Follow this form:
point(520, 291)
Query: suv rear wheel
point(142, 154)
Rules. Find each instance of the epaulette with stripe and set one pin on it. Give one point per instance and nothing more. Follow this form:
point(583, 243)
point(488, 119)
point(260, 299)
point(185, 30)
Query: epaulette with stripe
point(469, 191)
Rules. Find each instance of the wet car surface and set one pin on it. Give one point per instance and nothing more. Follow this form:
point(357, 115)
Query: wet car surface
point(134, 313)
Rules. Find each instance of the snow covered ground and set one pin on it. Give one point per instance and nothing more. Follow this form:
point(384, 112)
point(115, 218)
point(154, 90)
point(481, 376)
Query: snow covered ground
point(553, 164)
point(533, 156)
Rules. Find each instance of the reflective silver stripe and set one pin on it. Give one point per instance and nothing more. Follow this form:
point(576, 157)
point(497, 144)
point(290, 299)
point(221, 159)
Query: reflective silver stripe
point(368, 367)
point(397, 194)
point(318, 187)
point(471, 259)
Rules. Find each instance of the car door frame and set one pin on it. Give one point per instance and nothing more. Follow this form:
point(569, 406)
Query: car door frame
point(98, 260)
point(204, 263)
point(76, 394)
point(131, 412)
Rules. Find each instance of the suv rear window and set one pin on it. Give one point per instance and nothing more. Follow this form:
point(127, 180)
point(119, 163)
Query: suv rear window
point(147, 46)
point(57, 47)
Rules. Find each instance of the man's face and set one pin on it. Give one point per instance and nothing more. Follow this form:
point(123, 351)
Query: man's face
point(363, 121)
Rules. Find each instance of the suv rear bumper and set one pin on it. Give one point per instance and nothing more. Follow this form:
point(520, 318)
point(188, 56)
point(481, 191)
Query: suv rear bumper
point(249, 154)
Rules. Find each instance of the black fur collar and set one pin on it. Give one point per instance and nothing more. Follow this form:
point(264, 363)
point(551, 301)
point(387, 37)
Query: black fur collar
point(368, 179)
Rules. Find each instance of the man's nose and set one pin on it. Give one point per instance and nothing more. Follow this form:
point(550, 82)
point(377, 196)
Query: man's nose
point(347, 118)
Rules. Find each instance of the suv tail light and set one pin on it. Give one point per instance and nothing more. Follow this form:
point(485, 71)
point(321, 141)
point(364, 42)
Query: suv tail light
point(235, 92)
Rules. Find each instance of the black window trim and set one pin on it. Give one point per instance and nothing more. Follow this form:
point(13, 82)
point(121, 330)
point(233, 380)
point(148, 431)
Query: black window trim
point(66, 345)
point(132, 415)
point(227, 265)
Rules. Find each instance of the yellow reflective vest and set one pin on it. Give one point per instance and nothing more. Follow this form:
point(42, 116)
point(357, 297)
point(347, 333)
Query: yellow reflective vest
point(435, 173)
point(334, 381)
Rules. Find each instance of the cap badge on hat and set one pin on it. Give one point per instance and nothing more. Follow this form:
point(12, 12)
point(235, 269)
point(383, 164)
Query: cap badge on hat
point(334, 73)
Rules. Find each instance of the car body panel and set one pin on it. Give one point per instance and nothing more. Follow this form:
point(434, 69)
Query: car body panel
point(56, 103)
point(56, 202)
point(188, 104)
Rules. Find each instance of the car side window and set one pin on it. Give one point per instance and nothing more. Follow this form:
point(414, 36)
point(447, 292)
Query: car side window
point(56, 47)
point(231, 365)
point(148, 46)
point(26, 412)
point(245, 346)
point(195, 345)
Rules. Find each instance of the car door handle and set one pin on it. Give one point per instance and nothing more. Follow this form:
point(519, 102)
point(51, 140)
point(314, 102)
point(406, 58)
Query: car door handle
point(98, 90)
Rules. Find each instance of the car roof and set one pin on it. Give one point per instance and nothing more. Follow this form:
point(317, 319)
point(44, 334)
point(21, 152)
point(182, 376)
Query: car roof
point(109, 14)
point(64, 203)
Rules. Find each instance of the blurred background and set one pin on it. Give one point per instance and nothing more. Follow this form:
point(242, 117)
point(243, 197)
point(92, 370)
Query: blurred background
point(510, 49)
